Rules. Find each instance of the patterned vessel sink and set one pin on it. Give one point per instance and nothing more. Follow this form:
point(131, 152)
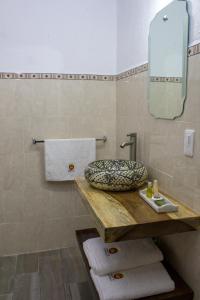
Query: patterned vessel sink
point(116, 175)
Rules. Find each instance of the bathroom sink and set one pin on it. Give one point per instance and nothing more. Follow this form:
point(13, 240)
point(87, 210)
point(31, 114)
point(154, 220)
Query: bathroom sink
point(116, 175)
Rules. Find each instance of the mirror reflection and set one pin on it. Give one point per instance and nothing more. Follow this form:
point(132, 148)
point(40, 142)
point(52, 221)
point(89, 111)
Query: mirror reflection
point(168, 41)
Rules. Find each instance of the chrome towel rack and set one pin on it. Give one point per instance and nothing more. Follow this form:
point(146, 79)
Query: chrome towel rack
point(34, 141)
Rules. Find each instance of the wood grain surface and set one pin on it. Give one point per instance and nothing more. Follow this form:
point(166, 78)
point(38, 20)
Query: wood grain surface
point(124, 215)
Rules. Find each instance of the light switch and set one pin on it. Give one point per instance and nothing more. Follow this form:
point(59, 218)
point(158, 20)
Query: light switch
point(189, 142)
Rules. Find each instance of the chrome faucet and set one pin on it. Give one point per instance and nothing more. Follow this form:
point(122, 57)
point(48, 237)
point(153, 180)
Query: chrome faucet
point(133, 145)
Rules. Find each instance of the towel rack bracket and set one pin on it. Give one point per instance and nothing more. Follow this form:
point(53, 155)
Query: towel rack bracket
point(34, 141)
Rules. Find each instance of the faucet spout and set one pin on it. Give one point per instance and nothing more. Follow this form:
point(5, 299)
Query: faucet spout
point(133, 145)
point(126, 144)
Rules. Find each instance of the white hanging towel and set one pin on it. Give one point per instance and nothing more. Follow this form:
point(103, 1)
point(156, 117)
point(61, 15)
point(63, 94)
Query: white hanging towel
point(105, 258)
point(66, 159)
point(140, 282)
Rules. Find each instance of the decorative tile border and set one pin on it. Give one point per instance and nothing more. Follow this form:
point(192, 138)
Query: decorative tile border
point(166, 79)
point(193, 50)
point(132, 72)
point(58, 76)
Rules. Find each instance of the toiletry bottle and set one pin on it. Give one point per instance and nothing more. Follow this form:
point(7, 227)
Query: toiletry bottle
point(149, 192)
point(155, 189)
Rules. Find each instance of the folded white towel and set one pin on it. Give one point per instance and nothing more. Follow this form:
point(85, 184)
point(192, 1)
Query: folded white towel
point(67, 159)
point(134, 284)
point(105, 258)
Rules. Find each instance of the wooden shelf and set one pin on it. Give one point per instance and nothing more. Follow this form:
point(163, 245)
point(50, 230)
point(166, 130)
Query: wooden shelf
point(124, 215)
point(182, 290)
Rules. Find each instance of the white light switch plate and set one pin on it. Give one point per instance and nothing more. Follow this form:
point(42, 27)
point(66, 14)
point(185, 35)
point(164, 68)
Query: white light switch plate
point(189, 142)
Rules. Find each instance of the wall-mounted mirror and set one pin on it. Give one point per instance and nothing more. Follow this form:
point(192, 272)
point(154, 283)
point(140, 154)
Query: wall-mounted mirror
point(168, 42)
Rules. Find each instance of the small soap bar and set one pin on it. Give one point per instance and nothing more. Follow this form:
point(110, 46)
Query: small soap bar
point(160, 202)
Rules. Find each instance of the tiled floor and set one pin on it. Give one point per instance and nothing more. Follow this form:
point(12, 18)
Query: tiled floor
point(52, 275)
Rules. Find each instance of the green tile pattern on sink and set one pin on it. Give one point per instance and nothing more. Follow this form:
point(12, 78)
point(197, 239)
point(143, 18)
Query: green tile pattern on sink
point(116, 175)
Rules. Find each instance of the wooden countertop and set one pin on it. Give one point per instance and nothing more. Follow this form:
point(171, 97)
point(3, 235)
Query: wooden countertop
point(124, 215)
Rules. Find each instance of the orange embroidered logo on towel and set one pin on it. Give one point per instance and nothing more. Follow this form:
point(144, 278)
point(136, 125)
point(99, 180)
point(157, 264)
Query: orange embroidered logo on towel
point(71, 167)
point(117, 275)
point(113, 250)
point(110, 251)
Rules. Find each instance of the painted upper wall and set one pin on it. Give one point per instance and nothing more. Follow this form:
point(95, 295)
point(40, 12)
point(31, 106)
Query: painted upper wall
point(58, 36)
point(90, 36)
point(133, 20)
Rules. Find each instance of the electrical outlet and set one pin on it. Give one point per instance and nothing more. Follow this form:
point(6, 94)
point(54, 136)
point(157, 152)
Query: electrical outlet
point(189, 142)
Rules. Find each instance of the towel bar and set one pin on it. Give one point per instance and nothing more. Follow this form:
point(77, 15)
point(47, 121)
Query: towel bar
point(34, 141)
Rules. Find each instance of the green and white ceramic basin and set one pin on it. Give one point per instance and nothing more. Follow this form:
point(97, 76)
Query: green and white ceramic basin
point(116, 175)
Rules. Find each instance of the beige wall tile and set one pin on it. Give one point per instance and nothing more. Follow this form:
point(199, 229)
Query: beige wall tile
point(8, 104)
point(38, 98)
point(12, 172)
point(160, 146)
point(12, 206)
point(81, 222)
point(2, 216)
point(75, 205)
point(18, 237)
point(35, 214)
point(185, 256)
point(38, 215)
point(55, 233)
point(11, 130)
